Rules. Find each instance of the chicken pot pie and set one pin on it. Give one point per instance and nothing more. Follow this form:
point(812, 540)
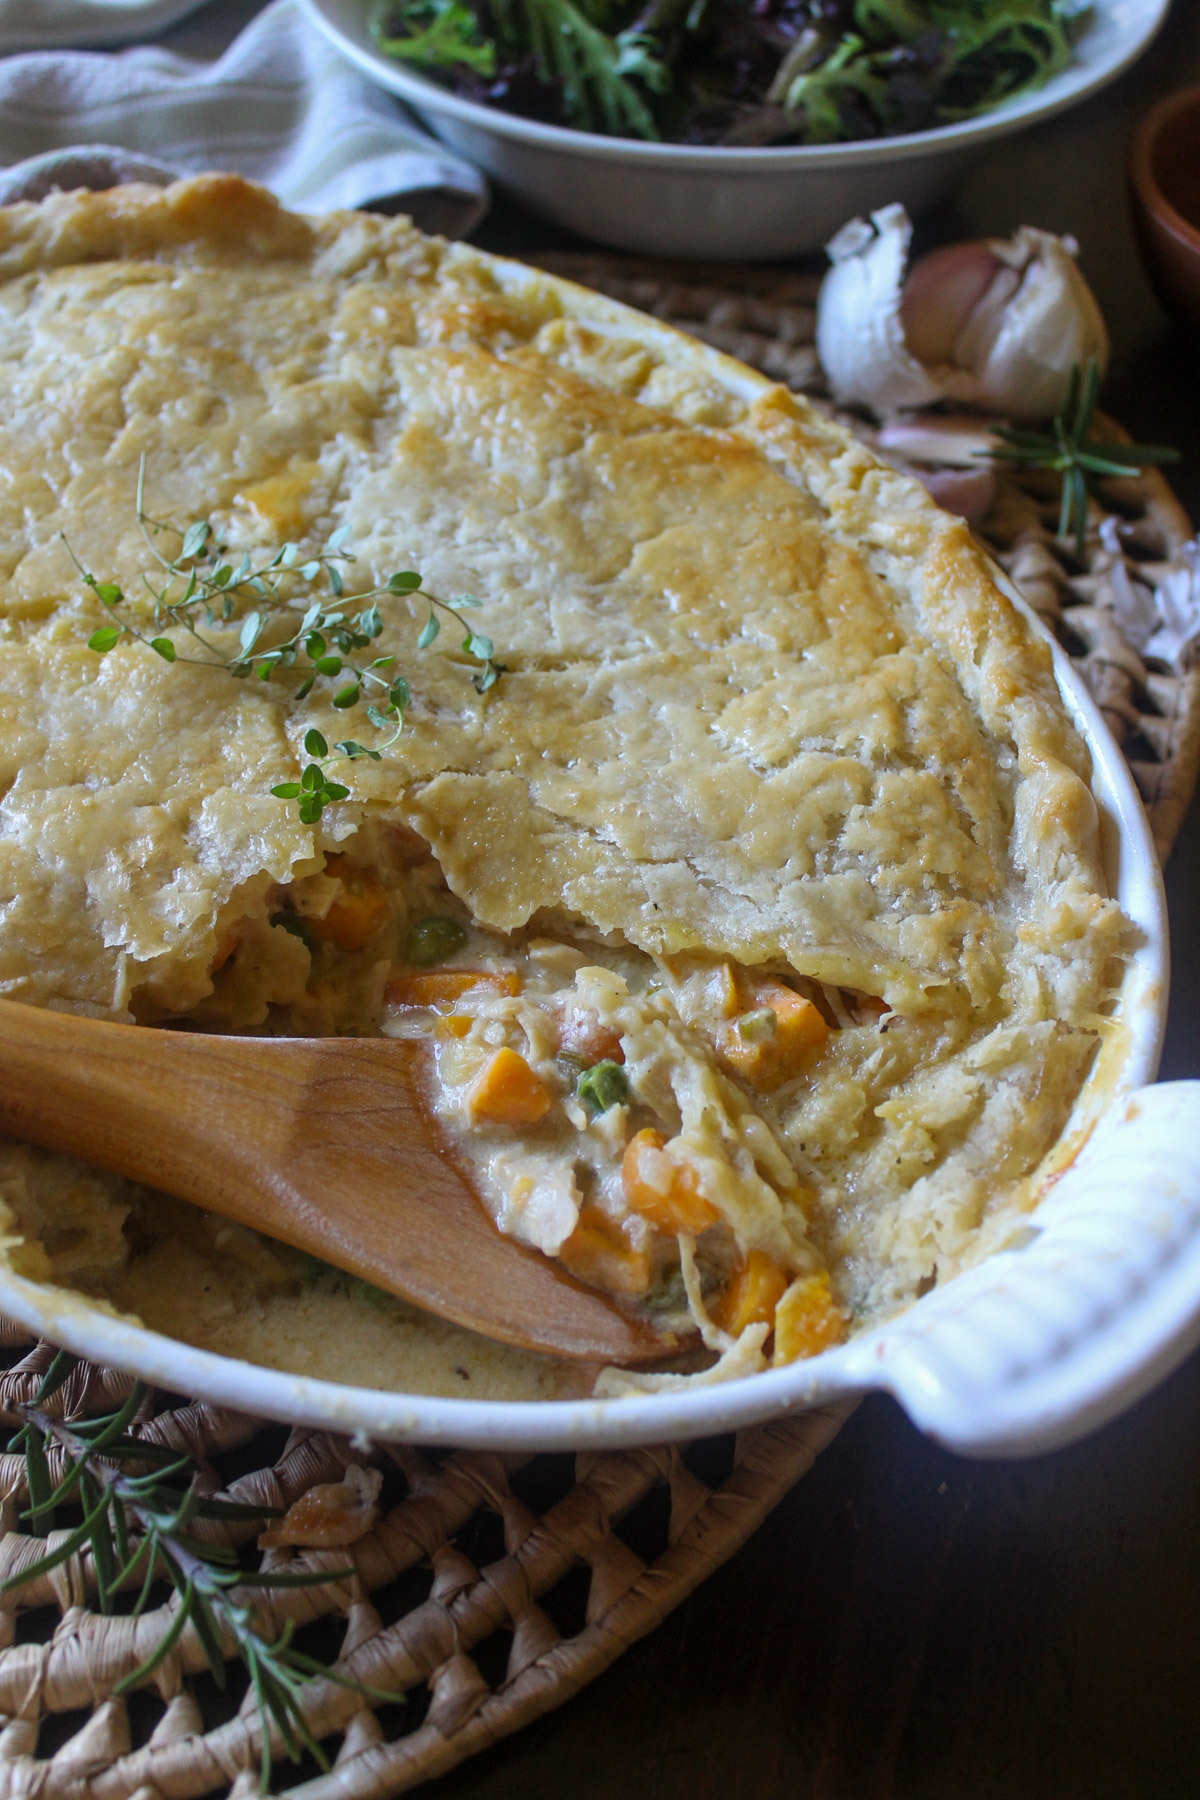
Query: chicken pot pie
point(754, 919)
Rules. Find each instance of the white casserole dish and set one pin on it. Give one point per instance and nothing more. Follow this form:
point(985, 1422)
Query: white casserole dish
point(686, 200)
point(1027, 1351)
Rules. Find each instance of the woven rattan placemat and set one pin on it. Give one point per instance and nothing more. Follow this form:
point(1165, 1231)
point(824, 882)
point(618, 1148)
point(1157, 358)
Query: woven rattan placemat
point(490, 1590)
point(493, 1587)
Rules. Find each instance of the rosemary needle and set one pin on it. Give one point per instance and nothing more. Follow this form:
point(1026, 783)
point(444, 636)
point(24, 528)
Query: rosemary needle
point(1077, 458)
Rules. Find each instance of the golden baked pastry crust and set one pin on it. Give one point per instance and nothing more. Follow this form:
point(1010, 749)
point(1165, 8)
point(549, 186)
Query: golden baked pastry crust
point(763, 699)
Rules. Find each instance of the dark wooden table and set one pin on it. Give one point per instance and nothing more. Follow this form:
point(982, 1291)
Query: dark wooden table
point(908, 1625)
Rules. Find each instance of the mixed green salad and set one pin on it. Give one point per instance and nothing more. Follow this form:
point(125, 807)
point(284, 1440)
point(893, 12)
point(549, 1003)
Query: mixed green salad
point(737, 72)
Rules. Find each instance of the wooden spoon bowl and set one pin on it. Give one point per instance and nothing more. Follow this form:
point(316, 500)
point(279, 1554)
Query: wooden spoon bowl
point(323, 1143)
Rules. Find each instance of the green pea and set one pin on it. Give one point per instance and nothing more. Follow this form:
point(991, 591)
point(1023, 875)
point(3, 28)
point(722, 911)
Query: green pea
point(756, 1027)
point(605, 1084)
point(668, 1294)
point(432, 940)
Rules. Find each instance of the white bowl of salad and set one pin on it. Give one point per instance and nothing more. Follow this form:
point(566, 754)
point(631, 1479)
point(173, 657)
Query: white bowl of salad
point(732, 129)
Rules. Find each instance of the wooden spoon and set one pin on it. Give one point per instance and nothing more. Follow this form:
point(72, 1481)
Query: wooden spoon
point(324, 1143)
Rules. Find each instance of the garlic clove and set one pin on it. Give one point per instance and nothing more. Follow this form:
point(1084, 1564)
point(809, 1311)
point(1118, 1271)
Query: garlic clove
point(948, 456)
point(996, 324)
point(939, 296)
point(939, 441)
point(1024, 346)
point(971, 493)
point(860, 333)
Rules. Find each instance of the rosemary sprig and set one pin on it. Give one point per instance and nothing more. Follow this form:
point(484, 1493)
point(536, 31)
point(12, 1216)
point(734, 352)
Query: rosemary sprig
point(142, 1524)
point(198, 591)
point(1077, 458)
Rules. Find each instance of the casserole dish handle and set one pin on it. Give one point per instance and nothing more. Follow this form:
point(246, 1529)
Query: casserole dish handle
point(1005, 1361)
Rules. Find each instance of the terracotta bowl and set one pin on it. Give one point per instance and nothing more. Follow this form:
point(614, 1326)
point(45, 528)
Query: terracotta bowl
point(1164, 178)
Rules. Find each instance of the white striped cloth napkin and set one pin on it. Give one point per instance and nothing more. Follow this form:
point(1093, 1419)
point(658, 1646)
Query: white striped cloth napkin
point(279, 105)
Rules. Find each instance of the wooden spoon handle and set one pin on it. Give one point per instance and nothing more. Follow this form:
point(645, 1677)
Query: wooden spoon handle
point(161, 1111)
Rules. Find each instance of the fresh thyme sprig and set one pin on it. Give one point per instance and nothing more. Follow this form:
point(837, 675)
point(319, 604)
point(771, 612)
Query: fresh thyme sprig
point(141, 1523)
point(1077, 458)
point(199, 590)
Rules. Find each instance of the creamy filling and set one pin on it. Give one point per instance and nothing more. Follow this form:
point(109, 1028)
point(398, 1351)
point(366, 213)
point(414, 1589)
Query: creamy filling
point(755, 1161)
point(617, 1112)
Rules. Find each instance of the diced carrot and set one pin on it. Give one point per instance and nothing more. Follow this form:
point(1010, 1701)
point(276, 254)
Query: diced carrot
point(581, 1033)
point(664, 1192)
point(807, 1320)
point(443, 987)
point(722, 989)
point(507, 1091)
point(352, 920)
point(753, 1061)
point(801, 1025)
point(359, 910)
point(774, 1038)
point(752, 1295)
point(227, 943)
point(455, 1025)
point(599, 1253)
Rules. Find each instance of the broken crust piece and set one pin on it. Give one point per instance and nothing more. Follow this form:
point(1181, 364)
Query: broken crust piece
point(330, 1515)
point(763, 702)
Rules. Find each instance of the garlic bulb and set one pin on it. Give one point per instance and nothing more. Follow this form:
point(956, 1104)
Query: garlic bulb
point(995, 324)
